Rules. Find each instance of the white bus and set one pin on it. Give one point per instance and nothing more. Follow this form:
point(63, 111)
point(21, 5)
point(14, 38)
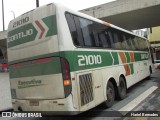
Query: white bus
point(62, 60)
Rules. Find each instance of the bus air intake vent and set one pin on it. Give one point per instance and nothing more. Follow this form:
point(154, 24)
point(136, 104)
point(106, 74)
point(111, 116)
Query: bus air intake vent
point(86, 88)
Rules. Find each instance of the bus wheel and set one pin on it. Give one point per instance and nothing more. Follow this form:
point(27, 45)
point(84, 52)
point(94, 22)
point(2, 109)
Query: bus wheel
point(121, 89)
point(110, 93)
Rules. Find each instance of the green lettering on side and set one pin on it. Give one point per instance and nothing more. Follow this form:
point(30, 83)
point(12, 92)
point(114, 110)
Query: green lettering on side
point(140, 56)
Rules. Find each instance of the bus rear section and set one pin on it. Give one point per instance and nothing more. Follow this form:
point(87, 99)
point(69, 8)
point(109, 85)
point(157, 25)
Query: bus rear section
point(40, 78)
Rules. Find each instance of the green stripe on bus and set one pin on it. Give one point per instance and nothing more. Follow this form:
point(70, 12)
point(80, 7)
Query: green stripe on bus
point(78, 60)
point(140, 56)
point(84, 57)
point(115, 57)
point(36, 69)
point(51, 23)
point(127, 56)
point(131, 68)
point(33, 58)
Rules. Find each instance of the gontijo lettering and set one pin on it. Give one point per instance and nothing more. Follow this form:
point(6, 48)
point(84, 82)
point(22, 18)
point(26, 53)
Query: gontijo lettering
point(20, 35)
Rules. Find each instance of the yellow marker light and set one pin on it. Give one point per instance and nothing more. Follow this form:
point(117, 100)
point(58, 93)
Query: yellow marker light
point(66, 82)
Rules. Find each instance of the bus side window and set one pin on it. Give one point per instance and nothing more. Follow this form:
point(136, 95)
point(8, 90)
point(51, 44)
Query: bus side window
point(124, 42)
point(98, 42)
point(79, 31)
point(86, 27)
point(132, 43)
point(136, 44)
point(75, 30)
point(111, 39)
point(117, 41)
point(107, 39)
point(72, 27)
point(129, 44)
point(96, 27)
point(141, 43)
point(104, 39)
point(146, 46)
point(101, 36)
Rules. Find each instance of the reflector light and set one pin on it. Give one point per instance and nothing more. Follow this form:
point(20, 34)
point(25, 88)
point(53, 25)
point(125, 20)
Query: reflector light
point(66, 76)
point(65, 72)
point(67, 82)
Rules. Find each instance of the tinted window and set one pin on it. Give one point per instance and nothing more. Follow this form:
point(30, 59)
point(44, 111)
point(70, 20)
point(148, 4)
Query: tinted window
point(79, 31)
point(86, 27)
point(142, 44)
point(76, 35)
point(129, 43)
point(116, 38)
point(87, 33)
point(101, 34)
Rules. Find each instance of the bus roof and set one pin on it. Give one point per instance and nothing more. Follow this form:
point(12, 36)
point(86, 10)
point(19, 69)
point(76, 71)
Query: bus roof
point(65, 9)
point(99, 20)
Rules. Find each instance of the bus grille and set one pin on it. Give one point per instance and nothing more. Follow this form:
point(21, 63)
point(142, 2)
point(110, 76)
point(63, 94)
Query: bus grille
point(86, 88)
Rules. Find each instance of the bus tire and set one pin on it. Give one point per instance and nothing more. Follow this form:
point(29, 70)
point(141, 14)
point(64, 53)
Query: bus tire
point(121, 89)
point(110, 94)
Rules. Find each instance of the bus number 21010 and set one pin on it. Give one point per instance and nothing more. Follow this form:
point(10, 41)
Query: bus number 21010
point(89, 60)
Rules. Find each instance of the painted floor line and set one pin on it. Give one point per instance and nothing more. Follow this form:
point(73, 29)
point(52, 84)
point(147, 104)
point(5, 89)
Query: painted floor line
point(131, 105)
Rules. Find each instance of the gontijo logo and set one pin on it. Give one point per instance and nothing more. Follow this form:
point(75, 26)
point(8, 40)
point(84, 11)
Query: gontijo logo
point(27, 30)
point(20, 35)
point(24, 31)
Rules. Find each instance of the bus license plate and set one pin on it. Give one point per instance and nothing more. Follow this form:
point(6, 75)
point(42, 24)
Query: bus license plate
point(34, 103)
